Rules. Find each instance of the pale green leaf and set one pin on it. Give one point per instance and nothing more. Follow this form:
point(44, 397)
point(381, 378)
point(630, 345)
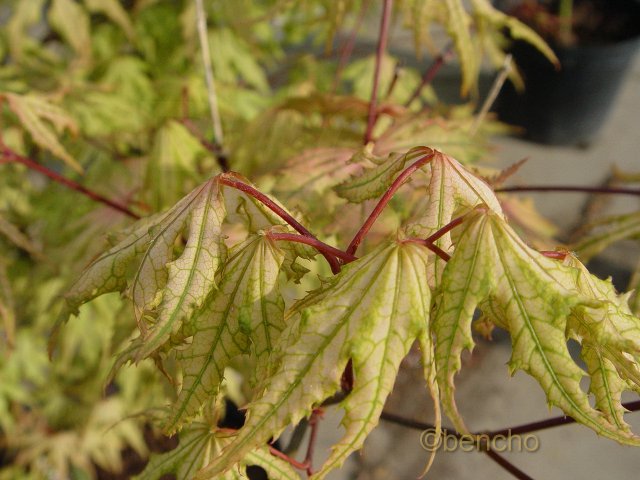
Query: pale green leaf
point(486, 12)
point(19, 239)
point(458, 23)
point(25, 15)
point(370, 313)
point(115, 12)
point(533, 297)
point(198, 445)
point(32, 110)
point(191, 276)
point(606, 232)
point(172, 164)
point(71, 20)
point(373, 182)
point(146, 264)
point(451, 189)
point(245, 316)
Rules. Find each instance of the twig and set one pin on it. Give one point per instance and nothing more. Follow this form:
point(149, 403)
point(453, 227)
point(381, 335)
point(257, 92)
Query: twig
point(382, 203)
point(493, 93)
point(347, 48)
point(382, 46)
point(431, 72)
point(292, 461)
point(227, 179)
point(550, 423)
point(208, 73)
point(11, 156)
point(447, 228)
point(570, 188)
point(507, 465)
point(314, 421)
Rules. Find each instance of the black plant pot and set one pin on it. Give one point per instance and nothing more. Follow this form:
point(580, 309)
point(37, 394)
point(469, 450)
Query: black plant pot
point(569, 106)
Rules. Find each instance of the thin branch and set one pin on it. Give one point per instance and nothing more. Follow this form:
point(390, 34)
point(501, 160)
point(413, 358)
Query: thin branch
point(507, 465)
point(382, 46)
point(447, 228)
point(208, 73)
point(315, 243)
point(493, 93)
point(516, 430)
point(227, 179)
point(382, 203)
point(292, 461)
point(415, 424)
point(347, 48)
point(550, 423)
point(314, 421)
point(554, 254)
point(11, 156)
point(570, 188)
point(431, 72)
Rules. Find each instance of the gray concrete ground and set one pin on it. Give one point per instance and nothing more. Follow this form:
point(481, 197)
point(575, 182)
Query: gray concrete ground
point(488, 397)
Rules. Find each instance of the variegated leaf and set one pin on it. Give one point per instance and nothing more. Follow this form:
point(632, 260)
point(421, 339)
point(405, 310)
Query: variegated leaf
point(370, 314)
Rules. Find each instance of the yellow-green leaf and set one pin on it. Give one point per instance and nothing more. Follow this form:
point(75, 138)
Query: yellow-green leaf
point(245, 316)
point(533, 297)
point(370, 313)
point(32, 111)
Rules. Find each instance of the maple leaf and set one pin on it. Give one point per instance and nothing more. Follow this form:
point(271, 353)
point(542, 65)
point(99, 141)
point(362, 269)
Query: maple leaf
point(168, 282)
point(370, 313)
point(373, 182)
point(33, 110)
point(607, 231)
point(198, 445)
point(245, 316)
point(164, 289)
point(533, 297)
point(610, 338)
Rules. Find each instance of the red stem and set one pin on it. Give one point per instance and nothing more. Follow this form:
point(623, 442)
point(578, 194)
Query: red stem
point(570, 188)
point(447, 228)
point(382, 46)
point(12, 156)
point(434, 248)
point(315, 243)
point(292, 461)
point(227, 179)
point(431, 72)
point(554, 254)
point(314, 421)
point(382, 203)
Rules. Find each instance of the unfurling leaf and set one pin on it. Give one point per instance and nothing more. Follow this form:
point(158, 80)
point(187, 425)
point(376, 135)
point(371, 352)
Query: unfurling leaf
point(535, 299)
point(198, 445)
point(370, 313)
